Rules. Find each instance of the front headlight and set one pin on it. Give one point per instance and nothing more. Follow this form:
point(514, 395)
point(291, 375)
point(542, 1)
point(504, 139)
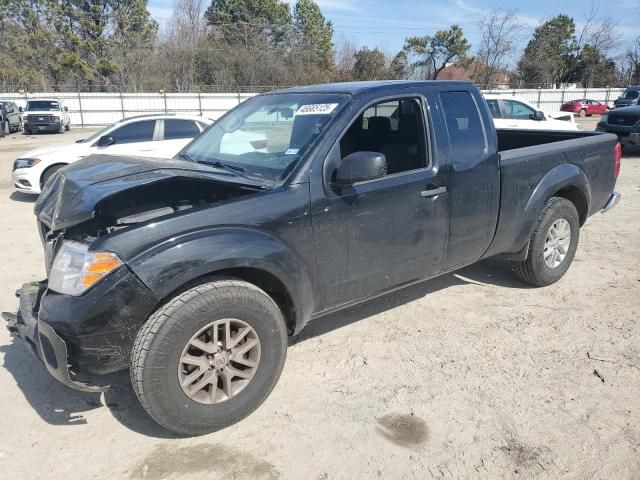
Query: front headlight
point(25, 162)
point(75, 268)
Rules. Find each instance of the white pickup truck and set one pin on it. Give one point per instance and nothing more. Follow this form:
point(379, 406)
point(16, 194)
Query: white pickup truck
point(46, 114)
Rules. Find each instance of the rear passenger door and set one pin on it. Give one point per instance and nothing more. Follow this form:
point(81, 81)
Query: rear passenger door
point(174, 135)
point(381, 233)
point(474, 177)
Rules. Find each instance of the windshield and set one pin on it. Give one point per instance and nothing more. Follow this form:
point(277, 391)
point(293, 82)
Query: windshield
point(50, 105)
point(267, 135)
point(629, 95)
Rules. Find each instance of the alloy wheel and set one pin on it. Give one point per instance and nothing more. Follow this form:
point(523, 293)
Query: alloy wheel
point(219, 361)
point(557, 243)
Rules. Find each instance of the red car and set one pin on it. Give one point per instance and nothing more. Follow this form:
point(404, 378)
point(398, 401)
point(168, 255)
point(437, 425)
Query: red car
point(585, 108)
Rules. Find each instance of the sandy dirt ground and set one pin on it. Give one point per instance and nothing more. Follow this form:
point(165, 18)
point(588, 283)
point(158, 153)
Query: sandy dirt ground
point(471, 375)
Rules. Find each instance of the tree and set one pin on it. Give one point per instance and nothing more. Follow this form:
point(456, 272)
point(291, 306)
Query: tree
point(246, 22)
point(547, 59)
point(499, 31)
point(631, 64)
point(313, 32)
point(432, 54)
point(369, 64)
point(399, 68)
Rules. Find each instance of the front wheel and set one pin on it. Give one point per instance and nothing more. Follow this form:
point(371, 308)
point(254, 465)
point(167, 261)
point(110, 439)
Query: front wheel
point(209, 357)
point(552, 245)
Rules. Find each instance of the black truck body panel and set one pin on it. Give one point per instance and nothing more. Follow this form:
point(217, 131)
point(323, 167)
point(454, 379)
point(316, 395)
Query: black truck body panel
point(315, 248)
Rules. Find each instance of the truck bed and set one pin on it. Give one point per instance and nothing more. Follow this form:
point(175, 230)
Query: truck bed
point(530, 160)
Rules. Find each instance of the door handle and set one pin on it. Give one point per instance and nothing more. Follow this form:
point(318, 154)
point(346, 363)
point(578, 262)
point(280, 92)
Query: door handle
point(433, 192)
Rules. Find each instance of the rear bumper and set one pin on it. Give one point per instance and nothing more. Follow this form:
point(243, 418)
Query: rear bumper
point(612, 202)
point(625, 134)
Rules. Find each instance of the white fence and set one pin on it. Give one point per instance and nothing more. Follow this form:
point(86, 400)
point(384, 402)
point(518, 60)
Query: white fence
point(93, 109)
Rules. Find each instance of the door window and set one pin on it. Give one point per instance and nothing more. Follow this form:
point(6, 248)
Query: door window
point(394, 128)
point(517, 110)
point(175, 129)
point(494, 108)
point(466, 133)
point(135, 132)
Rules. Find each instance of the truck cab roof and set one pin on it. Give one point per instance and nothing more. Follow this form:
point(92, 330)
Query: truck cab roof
point(354, 88)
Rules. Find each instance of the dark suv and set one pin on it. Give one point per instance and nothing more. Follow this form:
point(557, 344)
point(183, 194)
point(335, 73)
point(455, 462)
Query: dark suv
point(11, 118)
point(631, 96)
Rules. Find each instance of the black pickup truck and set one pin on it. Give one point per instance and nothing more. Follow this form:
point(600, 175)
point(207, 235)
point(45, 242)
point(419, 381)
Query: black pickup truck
point(193, 272)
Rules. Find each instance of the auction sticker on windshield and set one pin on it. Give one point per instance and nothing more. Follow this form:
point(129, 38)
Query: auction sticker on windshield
point(317, 109)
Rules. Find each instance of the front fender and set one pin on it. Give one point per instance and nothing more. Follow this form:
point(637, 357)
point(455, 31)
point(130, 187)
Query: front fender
point(180, 260)
point(558, 178)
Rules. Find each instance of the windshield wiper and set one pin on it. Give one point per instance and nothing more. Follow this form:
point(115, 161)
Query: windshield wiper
point(186, 157)
point(227, 166)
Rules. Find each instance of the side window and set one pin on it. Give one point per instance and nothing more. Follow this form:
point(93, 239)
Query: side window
point(394, 128)
point(135, 132)
point(466, 135)
point(517, 110)
point(174, 129)
point(494, 108)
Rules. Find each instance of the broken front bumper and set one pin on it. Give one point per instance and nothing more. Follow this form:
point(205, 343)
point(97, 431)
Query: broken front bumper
point(82, 338)
point(43, 340)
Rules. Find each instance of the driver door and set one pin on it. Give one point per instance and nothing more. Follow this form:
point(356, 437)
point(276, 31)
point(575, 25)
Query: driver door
point(381, 233)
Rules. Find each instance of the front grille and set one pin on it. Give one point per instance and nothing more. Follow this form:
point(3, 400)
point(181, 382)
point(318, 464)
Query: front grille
point(39, 118)
point(623, 120)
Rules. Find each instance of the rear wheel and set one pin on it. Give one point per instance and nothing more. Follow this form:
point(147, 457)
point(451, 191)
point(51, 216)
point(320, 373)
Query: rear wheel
point(582, 112)
point(209, 357)
point(552, 245)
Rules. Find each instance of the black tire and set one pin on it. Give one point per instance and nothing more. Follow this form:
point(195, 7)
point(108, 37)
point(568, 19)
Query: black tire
point(68, 127)
point(7, 128)
point(62, 129)
point(160, 343)
point(48, 173)
point(534, 270)
point(582, 113)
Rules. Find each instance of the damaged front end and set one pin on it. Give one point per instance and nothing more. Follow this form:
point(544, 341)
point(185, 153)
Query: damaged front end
point(86, 329)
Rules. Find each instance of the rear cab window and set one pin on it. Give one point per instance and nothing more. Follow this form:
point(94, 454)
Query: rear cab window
point(467, 136)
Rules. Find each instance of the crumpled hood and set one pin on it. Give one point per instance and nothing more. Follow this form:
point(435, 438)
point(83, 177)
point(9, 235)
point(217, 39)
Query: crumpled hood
point(72, 194)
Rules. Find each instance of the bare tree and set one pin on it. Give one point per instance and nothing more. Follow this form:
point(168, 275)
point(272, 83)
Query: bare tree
point(595, 42)
point(500, 30)
point(183, 41)
point(630, 64)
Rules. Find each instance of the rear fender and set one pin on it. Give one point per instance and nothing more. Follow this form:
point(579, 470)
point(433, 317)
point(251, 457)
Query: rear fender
point(180, 260)
point(558, 178)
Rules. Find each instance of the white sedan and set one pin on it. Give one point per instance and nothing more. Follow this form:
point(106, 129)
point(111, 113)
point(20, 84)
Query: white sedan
point(160, 136)
point(513, 112)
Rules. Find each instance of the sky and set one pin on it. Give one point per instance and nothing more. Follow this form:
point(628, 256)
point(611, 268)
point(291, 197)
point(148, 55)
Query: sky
point(386, 23)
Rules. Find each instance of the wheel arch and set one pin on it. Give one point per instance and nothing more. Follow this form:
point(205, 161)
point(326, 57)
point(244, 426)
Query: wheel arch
point(44, 172)
point(266, 281)
point(242, 253)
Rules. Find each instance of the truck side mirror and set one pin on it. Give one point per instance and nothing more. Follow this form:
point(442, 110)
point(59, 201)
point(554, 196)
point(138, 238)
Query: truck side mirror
point(106, 140)
point(538, 116)
point(360, 167)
